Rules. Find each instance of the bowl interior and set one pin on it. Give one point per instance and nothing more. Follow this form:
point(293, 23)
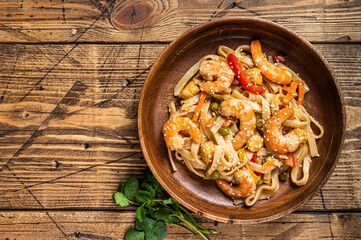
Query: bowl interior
point(323, 102)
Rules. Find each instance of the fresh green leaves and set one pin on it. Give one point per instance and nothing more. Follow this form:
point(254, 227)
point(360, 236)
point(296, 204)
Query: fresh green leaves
point(149, 188)
point(165, 215)
point(153, 229)
point(126, 191)
point(120, 199)
point(141, 213)
point(168, 201)
point(131, 187)
point(155, 209)
point(131, 234)
point(143, 196)
point(160, 230)
point(150, 178)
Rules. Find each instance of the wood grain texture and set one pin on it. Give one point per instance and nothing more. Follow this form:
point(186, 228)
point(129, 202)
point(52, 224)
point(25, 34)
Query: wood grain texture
point(68, 124)
point(112, 225)
point(164, 20)
point(68, 111)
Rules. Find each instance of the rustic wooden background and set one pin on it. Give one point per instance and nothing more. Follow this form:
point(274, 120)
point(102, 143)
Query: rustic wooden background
point(71, 73)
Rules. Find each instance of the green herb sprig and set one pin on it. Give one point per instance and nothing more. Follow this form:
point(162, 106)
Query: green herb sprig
point(156, 208)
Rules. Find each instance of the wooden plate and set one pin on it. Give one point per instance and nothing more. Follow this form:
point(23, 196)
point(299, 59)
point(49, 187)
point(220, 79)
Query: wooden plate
point(324, 102)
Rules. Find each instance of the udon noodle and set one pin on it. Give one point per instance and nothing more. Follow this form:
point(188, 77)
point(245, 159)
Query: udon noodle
point(241, 123)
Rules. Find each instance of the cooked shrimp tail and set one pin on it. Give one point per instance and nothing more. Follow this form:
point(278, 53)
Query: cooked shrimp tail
point(218, 76)
point(234, 107)
point(245, 187)
point(275, 139)
point(171, 130)
point(272, 72)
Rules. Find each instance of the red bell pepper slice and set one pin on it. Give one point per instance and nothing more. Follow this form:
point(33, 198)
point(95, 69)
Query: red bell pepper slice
point(291, 160)
point(254, 160)
point(240, 74)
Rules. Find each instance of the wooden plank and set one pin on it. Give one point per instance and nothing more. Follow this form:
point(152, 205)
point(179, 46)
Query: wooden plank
point(73, 137)
point(112, 225)
point(160, 20)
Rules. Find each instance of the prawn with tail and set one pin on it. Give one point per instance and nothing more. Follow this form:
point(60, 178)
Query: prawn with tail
point(272, 72)
point(276, 140)
point(171, 130)
point(246, 115)
point(245, 187)
point(218, 76)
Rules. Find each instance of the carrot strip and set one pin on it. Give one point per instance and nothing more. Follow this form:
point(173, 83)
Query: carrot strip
point(291, 160)
point(210, 123)
point(301, 92)
point(199, 106)
point(268, 164)
point(228, 121)
point(291, 92)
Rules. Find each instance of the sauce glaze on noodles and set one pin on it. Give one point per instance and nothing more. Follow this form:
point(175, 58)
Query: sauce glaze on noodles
point(223, 162)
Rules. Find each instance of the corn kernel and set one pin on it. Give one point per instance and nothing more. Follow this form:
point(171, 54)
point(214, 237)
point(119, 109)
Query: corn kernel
point(254, 143)
point(243, 156)
point(300, 133)
point(189, 91)
point(254, 76)
point(207, 151)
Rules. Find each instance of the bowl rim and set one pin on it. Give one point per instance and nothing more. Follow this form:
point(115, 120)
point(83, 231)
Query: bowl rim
point(194, 208)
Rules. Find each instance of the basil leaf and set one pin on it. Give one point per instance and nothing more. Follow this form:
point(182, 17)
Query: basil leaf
point(131, 234)
point(143, 196)
point(120, 199)
point(130, 187)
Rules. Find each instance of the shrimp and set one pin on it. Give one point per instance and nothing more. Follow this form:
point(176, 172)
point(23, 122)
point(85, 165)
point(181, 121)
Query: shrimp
point(215, 70)
point(276, 140)
point(171, 130)
point(245, 188)
point(272, 72)
point(234, 107)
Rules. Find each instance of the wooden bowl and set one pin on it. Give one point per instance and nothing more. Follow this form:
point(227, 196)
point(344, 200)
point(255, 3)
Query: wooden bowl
point(324, 102)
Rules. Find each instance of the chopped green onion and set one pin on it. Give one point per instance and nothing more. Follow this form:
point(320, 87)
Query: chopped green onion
point(260, 181)
point(215, 175)
point(217, 96)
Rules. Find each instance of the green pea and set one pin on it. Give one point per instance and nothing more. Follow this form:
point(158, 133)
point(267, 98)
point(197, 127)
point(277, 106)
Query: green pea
point(269, 158)
point(284, 176)
point(215, 175)
point(260, 181)
point(214, 106)
point(224, 131)
point(260, 123)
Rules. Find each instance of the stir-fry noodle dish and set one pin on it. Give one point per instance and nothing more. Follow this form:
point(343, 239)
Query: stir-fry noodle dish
point(241, 123)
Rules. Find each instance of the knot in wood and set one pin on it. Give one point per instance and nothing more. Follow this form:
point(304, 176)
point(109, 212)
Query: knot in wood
point(131, 15)
point(25, 114)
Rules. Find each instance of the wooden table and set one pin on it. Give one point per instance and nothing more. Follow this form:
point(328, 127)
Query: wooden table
point(71, 73)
